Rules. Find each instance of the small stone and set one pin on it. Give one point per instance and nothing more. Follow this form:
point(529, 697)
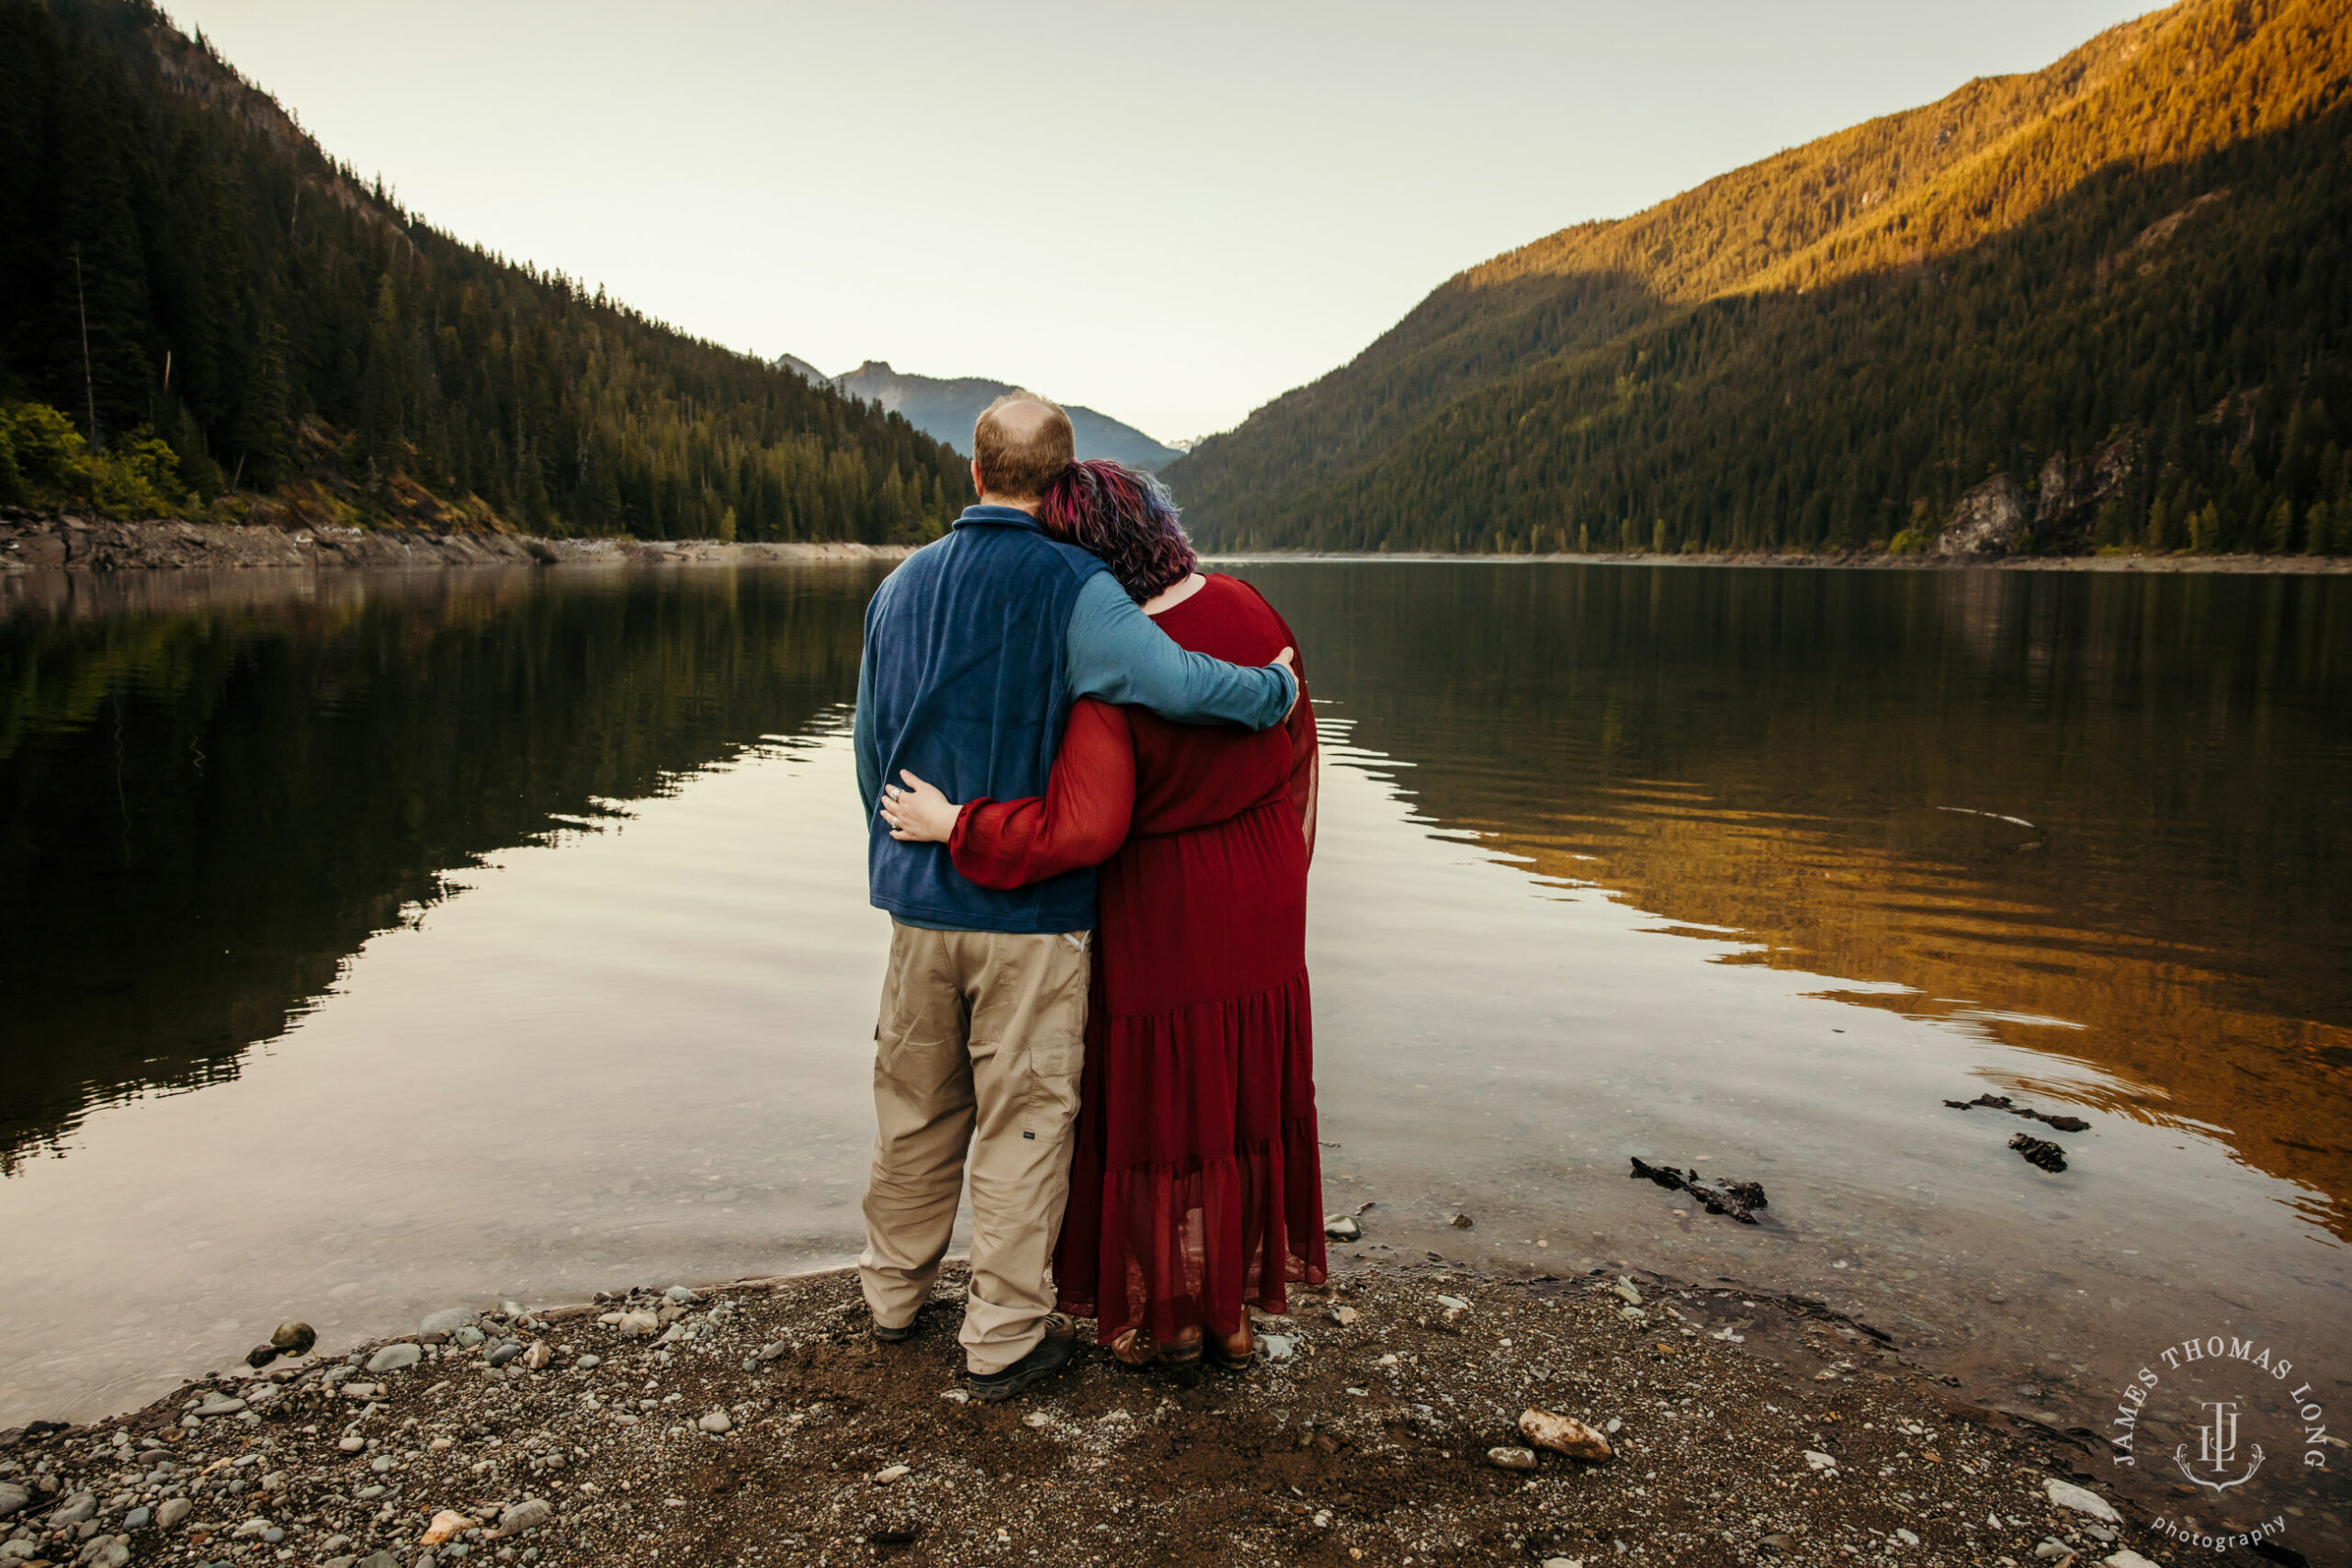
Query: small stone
point(1563, 1563)
point(502, 1352)
point(1342, 1227)
point(638, 1323)
point(1278, 1347)
point(1037, 1419)
point(13, 1497)
point(468, 1338)
point(716, 1421)
point(2127, 1558)
point(957, 1396)
point(2051, 1548)
point(218, 1404)
point(1625, 1288)
point(1819, 1460)
point(295, 1337)
point(395, 1358)
point(252, 1527)
point(773, 1349)
point(137, 1519)
point(589, 1363)
point(538, 1354)
point(449, 1320)
point(889, 1473)
point(362, 1390)
point(1563, 1434)
point(527, 1515)
point(1463, 1223)
point(677, 1295)
point(172, 1510)
point(1454, 1303)
point(261, 1355)
point(1907, 1538)
point(2067, 1495)
point(1511, 1458)
point(106, 1552)
point(272, 1536)
point(79, 1505)
point(1345, 1317)
point(447, 1525)
point(352, 1445)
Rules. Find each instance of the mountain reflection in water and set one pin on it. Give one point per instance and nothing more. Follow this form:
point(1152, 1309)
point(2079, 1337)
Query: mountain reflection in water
point(2105, 816)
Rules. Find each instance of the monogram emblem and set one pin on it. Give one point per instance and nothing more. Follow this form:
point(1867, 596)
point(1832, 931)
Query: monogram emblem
point(2217, 1450)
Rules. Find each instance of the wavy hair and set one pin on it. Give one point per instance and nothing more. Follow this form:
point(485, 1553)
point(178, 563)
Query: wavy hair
point(1125, 515)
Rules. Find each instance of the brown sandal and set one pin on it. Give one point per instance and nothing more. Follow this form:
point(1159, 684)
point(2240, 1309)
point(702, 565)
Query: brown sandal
point(1226, 1358)
point(1135, 1348)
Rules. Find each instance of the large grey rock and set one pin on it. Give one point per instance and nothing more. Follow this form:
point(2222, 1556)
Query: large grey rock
point(13, 1497)
point(447, 1321)
point(1987, 522)
point(528, 1513)
point(172, 1510)
point(395, 1358)
point(2082, 1500)
point(79, 1507)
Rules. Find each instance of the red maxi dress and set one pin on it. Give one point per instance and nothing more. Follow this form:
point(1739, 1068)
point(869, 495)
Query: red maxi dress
point(1195, 1184)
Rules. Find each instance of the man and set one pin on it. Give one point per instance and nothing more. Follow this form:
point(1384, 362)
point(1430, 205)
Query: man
point(975, 649)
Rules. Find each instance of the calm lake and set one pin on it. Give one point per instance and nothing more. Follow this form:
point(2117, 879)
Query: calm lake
point(378, 943)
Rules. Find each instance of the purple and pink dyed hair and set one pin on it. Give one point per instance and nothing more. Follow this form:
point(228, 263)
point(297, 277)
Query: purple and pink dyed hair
point(1125, 516)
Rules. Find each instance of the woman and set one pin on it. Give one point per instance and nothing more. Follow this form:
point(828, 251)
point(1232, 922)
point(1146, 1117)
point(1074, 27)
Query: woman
point(1195, 1187)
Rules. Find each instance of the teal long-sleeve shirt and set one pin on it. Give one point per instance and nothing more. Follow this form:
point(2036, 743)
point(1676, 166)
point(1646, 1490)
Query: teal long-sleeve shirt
point(1115, 652)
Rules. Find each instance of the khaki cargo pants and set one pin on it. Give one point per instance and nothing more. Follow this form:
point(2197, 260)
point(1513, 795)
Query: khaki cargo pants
point(981, 1040)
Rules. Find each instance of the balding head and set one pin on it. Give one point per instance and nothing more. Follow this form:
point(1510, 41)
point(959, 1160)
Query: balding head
point(1020, 444)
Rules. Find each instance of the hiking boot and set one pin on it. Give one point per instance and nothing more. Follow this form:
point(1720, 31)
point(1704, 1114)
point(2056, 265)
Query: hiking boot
point(1047, 1357)
point(901, 1334)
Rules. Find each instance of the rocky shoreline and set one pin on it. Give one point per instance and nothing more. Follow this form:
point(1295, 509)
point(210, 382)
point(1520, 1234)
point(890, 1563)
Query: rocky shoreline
point(1401, 1416)
point(31, 542)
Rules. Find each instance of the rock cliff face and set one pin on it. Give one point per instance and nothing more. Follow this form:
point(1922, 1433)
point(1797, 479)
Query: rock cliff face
point(1987, 522)
point(1998, 518)
point(29, 542)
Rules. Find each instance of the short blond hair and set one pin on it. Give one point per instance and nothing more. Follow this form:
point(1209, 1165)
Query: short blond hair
point(1020, 452)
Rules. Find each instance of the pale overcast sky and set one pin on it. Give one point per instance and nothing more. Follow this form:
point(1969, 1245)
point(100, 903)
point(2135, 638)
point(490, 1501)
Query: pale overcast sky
point(1170, 213)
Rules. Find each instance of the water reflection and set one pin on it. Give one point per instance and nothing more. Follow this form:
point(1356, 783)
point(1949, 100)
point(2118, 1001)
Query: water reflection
point(2105, 819)
point(217, 788)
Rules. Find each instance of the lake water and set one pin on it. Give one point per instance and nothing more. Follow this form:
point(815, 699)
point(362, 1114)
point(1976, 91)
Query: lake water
point(379, 942)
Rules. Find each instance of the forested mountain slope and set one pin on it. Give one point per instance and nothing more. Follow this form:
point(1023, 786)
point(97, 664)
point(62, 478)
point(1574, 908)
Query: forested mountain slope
point(2119, 281)
point(297, 339)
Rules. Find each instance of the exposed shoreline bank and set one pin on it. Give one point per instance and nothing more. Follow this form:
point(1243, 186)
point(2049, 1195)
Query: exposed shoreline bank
point(2295, 566)
point(760, 1421)
point(31, 542)
point(81, 544)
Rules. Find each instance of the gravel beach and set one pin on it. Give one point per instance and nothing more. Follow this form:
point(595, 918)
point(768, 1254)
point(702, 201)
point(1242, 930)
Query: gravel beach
point(1389, 1424)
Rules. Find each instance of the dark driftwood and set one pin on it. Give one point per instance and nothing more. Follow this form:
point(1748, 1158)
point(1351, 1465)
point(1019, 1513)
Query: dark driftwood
point(1719, 1197)
point(2039, 1152)
point(2001, 1103)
